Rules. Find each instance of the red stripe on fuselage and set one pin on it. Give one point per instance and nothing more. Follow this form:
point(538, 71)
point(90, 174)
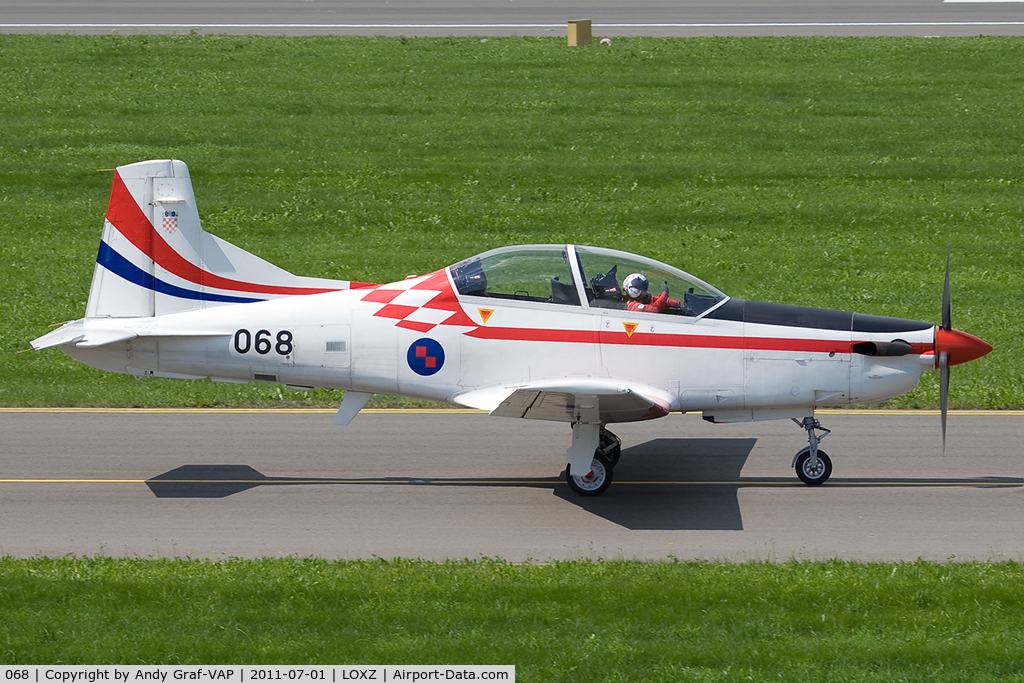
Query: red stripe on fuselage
point(125, 214)
point(694, 341)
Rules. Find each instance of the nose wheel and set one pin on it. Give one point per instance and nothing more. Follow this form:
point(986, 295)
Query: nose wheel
point(812, 464)
point(813, 472)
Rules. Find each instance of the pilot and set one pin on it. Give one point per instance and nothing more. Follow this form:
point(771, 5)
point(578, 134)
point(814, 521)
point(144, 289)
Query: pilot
point(634, 289)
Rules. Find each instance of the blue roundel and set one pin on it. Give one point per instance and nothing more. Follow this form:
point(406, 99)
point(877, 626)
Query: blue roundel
point(425, 357)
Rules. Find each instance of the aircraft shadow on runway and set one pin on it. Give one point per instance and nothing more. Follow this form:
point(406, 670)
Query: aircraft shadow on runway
point(689, 498)
point(674, 484)
point(662, 484)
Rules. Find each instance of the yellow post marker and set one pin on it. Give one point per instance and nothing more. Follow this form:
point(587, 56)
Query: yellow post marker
point(579, 32)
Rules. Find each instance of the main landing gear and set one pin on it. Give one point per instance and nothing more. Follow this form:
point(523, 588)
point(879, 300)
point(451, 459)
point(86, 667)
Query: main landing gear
point(812, 464)
point(599, 478)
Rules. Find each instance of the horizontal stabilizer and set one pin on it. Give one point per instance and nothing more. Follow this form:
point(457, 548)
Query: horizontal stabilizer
point(91, 333)
point(68, 333)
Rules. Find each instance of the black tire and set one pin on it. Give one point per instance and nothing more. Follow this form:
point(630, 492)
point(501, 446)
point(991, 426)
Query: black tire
point(593, 483)
point(610, 448)
point(818, 475)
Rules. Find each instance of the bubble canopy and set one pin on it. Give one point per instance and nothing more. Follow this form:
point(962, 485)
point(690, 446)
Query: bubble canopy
point(577, 276)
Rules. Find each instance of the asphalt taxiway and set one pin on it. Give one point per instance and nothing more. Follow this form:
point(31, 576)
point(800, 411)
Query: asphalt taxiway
point(465, 485)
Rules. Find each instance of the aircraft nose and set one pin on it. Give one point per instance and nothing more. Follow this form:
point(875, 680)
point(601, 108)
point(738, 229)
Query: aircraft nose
point(960, 346)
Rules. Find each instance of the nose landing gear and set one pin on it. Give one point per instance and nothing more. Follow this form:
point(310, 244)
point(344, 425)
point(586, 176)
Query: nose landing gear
point(812, 464)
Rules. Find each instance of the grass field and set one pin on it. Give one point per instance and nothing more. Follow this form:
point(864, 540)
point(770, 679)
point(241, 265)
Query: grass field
point(831, 172)
point(817, 171)
point(566, 621)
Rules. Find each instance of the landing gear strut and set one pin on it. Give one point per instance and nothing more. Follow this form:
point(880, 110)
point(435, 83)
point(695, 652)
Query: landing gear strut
point(599, 478)
point(812, 464)
point(610, 447)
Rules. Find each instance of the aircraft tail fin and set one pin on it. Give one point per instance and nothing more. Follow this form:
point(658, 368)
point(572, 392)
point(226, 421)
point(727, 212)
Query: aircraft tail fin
point(155, 258)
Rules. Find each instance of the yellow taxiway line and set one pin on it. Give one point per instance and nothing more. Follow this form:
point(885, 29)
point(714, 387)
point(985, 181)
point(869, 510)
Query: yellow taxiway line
point(448, 411)
point(73, 481)
point(241, 411)
point(776, 482)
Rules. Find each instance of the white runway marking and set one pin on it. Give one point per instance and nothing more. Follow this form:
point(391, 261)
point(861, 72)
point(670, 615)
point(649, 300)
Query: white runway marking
point(833, 24)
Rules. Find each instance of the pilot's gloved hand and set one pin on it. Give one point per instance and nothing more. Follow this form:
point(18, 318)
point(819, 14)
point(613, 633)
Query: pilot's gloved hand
point(664, 286)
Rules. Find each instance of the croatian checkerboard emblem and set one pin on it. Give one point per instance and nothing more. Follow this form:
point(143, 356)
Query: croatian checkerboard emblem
point(425, 357)
point(170, 221)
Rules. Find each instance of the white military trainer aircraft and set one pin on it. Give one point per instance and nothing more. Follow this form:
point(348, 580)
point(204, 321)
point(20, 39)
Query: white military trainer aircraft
point(544, 332)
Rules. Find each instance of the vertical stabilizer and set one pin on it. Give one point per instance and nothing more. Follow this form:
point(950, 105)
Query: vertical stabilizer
point(155, 258)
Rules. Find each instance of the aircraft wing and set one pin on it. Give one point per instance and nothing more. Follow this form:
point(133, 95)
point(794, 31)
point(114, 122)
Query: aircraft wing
point(587, 401)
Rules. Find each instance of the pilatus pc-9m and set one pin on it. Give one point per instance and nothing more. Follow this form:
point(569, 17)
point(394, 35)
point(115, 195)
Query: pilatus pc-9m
point(574, 334)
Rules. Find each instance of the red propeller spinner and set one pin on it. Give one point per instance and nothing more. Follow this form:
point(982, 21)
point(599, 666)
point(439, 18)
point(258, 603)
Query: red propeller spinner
point(958, 346)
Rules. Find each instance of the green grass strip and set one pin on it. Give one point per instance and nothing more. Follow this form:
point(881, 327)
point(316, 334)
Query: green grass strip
point(835, 172)
point(564, 621)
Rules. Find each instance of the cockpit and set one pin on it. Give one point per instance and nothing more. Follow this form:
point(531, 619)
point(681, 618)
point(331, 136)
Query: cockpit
point(573, 275)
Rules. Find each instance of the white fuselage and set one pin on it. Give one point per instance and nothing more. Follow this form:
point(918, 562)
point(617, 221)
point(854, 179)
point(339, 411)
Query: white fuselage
point(339, 340)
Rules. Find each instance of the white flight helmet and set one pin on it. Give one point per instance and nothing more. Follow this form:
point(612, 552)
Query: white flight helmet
point(634, 285)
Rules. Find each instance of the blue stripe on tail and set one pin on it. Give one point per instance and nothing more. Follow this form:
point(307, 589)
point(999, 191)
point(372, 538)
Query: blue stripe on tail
point(119, 265)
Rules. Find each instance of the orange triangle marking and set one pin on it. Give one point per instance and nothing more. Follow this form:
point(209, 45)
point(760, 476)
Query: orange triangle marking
point(630, 328)
point(485, 314)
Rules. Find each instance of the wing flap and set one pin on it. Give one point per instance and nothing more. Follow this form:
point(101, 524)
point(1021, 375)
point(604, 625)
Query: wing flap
point(584, 401)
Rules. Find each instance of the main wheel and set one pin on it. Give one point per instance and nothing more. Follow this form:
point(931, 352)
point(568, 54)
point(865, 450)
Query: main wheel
point(593, 483)
point(610, 447)
point(813, 475)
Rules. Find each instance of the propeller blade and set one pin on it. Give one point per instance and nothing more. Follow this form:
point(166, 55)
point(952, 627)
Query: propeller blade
point(947, 325)
point(947, 322)
point(952, 347)
point(943, 393)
